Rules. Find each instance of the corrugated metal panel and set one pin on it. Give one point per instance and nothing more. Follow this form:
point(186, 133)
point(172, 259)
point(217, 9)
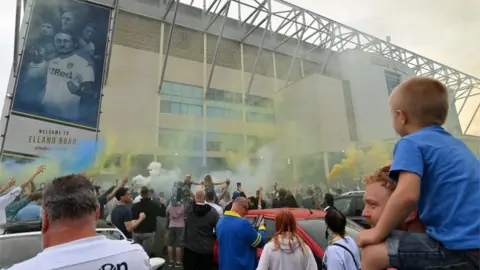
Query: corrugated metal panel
point(186, 43)
point(228, 54)
point(265, 62)
point(137, 32)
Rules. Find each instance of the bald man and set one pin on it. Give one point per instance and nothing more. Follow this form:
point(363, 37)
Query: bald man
point(200, 223)
point(238, 240)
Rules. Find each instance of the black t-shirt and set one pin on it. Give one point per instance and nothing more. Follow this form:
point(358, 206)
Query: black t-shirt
point(103, 200)
point(120, 215)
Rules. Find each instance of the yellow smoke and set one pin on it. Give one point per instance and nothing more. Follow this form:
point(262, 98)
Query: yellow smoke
point(358, 163)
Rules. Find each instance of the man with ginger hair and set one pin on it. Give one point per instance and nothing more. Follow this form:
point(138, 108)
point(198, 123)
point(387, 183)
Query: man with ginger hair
point(435, 173)
point(378, 189)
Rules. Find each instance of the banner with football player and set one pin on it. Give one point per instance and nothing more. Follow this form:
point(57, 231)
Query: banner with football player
point(59, 84)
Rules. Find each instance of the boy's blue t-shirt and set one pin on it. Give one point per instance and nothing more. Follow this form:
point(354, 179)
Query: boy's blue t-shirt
point(449, 204)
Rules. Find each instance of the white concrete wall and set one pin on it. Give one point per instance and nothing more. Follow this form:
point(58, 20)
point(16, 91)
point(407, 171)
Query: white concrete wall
point(369, 92)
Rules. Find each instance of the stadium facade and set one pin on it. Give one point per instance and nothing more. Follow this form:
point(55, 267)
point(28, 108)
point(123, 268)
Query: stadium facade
point(199, 84)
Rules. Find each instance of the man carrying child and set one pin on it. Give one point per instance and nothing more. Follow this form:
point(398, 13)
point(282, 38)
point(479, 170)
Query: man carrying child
point(435, 172)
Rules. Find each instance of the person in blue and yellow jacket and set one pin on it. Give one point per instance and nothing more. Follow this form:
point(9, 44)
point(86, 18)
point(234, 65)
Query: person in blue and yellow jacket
point(238, 240)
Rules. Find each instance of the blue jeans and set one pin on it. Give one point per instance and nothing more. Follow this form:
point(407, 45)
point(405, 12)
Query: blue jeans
point(412, 251)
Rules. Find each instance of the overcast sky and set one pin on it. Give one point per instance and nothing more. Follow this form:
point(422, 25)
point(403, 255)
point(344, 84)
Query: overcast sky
point(445, 30)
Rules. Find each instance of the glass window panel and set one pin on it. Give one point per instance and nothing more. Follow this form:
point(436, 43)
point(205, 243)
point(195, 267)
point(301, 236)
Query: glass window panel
point(215, 112)
point(214, 146)
point(210, 94)
point(198, 142)
point(219, 95)
point(257, 101)
point(166, 88)
point(194, 101)
point(187, 91)
point(237, 98)
point(268, 103)
point(183, 108)
point(233, 114)
point(195, 110)
point(175, 107)
point(197, 92)
point(249, 100)
point(172, 98)
point(229, 97)
point(165, 106)
point(166, 141)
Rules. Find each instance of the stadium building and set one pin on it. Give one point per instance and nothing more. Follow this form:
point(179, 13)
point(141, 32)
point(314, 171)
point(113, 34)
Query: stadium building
point(198, 84)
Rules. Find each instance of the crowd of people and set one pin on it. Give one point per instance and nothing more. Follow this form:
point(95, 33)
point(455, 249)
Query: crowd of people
point(423, 208)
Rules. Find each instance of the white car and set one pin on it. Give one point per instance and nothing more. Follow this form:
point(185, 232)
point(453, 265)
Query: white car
point(26, 237)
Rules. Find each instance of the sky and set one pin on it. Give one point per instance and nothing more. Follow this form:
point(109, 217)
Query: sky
point(446, 31)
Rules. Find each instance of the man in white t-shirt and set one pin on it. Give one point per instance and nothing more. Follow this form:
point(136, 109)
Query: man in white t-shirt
point(70, 212)
point(69, 78)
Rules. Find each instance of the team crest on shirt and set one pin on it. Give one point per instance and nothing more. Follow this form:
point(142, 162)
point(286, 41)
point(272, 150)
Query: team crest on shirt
point(70, 65)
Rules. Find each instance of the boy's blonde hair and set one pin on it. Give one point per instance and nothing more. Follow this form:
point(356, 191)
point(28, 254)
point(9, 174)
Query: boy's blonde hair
point(423, 98)
point(381, 176)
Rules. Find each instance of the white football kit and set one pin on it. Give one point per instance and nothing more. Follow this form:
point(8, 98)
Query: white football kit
point(58, 100)
point(94, 253)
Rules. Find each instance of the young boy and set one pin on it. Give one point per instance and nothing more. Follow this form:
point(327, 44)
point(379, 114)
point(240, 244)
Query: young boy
point(436, 172)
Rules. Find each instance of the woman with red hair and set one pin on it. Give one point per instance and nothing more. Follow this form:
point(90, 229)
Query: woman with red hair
point(286, 250)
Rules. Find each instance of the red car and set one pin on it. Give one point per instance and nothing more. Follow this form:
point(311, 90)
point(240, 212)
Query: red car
point(310, 225)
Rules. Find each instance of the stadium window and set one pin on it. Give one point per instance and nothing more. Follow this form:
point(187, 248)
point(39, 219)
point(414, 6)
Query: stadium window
point(216, 164)
point(181, 99)
point(215, 112)
point(267, 103)
point(195, 110)
point(392, 79)
point(210, 94)
point(233, 114)
point(169, 107)
point(219, 95)
point(222, 142)
point(260, 117)
point(228, 97)
point(167, 88)
point(141, 161)
point(175, 139)
point(237, 98)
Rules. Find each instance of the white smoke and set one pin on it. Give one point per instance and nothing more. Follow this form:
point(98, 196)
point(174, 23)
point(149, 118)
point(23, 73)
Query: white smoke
point(250, 178)
point(159, 179)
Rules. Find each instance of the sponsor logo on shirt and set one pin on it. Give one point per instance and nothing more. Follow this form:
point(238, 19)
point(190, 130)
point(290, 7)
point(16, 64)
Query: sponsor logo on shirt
point(111, 266)
point(60, 73)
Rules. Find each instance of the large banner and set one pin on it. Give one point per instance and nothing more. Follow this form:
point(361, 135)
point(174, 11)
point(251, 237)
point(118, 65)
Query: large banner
point(57, 94)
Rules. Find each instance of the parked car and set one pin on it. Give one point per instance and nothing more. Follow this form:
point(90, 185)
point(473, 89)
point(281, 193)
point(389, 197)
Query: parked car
point(351, 204)
point(21, 241)
point(311, 227)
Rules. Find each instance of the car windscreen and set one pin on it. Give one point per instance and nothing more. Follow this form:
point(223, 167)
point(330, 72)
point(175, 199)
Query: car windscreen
point(316, 227)
point(18, 248)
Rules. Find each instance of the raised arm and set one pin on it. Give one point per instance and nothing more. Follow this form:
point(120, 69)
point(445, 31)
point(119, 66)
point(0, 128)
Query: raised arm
point(120, 185)
point(9, 184)
point(38, 171)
